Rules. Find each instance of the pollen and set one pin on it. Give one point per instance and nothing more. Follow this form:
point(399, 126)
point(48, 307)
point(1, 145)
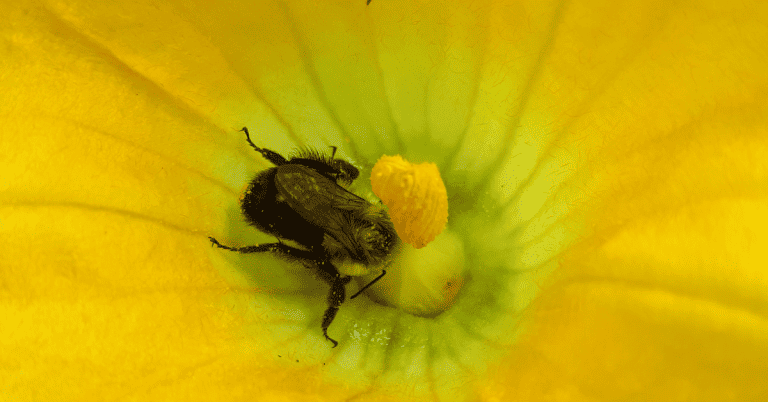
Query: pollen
point(415, 195)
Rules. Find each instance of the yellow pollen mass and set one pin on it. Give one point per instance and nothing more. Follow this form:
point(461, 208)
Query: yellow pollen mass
point(415, 195)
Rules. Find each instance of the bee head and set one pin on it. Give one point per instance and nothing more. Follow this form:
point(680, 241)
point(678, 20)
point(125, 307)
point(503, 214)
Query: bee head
point(378, 236)
point(346, 173)
point(370, 239)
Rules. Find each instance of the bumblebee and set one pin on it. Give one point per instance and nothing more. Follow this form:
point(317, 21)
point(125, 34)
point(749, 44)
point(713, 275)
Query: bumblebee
point(302, 199)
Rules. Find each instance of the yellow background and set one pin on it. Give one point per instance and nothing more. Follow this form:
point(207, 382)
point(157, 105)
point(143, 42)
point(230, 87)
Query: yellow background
point(118, 160)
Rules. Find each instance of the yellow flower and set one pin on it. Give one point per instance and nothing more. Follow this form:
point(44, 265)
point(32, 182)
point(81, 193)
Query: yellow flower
point(605, 165)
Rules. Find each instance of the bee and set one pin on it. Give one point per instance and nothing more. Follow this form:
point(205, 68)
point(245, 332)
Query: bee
point(303, 199)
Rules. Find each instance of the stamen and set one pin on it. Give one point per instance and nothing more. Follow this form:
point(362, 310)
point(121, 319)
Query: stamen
point(415, 195)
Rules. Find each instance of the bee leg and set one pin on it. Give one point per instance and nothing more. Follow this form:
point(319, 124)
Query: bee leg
point(335, 298)
point(268, 154)
point(278, 248)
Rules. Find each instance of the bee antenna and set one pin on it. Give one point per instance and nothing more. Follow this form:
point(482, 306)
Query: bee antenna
point(383, 272)
point(334, 151)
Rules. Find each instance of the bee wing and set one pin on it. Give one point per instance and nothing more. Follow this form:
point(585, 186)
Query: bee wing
point(320, 201)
